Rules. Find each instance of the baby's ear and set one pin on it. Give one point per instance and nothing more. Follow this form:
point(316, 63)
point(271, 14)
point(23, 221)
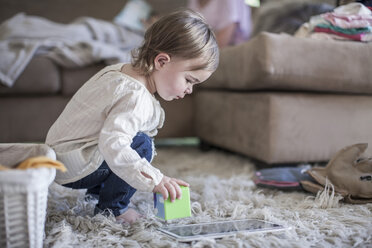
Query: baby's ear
point(161, 59)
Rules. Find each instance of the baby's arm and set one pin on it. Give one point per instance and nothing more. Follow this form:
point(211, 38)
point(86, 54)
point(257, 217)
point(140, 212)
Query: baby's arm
point(169, 186)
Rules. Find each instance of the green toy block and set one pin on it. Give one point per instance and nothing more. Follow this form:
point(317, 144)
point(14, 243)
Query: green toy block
point(168, 210)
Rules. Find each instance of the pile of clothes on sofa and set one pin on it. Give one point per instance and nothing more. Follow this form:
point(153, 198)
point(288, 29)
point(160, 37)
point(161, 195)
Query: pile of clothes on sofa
point(352, 21)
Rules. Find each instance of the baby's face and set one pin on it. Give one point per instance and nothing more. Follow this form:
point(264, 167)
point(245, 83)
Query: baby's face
point(176, 78)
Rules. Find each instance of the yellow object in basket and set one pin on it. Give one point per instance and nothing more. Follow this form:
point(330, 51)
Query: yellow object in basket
point(38, 162)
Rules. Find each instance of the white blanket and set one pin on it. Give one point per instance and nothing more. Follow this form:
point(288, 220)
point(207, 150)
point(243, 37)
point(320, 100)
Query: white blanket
point(82, 42)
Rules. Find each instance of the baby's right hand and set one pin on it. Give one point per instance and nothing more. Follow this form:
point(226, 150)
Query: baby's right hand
point(170, 186)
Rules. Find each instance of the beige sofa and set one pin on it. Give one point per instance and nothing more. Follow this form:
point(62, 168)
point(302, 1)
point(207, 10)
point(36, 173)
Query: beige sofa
point(276, 98)
point(39, 95)
point(282, 99)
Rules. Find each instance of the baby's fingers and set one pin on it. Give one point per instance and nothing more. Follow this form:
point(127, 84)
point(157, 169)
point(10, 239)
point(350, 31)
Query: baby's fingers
point(177, 188)
point(172, 191)
point(164, 192)
point(181, 182)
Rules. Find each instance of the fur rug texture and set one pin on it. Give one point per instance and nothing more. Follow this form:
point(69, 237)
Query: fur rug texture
point(221, 189)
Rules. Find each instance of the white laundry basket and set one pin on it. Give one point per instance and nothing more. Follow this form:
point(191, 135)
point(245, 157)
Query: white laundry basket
point(23, 196)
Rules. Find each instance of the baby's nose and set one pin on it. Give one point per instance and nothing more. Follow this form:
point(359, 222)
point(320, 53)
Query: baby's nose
point(189, 90)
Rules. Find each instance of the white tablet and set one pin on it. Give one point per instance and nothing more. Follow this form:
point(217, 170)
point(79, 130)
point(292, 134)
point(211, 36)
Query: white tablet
point(191, 232)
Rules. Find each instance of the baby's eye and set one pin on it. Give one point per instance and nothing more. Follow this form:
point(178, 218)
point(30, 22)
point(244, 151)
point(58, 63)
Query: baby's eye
point(188, 81)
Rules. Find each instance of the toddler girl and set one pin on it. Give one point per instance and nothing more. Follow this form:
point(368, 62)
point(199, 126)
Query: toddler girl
point(103, 134)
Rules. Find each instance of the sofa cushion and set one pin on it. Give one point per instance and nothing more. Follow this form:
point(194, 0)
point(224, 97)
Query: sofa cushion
point(179, 118)
point(41, 76)
point(284, 62)
point(283, 127)
point(28, 119)
point(74, 78)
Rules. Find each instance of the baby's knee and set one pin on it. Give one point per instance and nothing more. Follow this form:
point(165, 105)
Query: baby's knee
point(143, 145)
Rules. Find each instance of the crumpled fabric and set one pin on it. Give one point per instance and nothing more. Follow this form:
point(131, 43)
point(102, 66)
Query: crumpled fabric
point(83, 42)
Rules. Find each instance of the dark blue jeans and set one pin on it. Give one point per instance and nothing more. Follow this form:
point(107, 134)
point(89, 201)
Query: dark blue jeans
point(114, 193)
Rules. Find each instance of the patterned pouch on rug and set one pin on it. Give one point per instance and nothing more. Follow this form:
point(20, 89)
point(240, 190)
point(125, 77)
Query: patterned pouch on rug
point(283, 177)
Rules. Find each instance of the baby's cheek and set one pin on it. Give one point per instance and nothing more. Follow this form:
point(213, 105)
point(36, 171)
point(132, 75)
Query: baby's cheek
point(176, 88)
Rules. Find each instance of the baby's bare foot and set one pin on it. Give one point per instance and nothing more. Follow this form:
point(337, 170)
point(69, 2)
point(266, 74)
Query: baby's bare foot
point(130, 216)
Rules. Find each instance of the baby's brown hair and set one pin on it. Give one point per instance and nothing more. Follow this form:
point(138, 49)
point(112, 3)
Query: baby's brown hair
point(182, 34)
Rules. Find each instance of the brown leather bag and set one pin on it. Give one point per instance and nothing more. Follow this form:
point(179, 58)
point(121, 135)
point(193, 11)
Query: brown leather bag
point(350, 175)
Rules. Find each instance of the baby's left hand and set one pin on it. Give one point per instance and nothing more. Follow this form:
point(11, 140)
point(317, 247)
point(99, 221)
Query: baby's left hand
point(170, 186)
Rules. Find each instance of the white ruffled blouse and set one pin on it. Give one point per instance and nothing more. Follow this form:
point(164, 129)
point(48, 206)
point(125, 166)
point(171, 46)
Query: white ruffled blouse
point(99, 123)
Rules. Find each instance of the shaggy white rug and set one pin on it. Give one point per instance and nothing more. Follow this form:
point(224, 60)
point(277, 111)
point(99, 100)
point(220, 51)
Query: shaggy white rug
point(221, 189)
